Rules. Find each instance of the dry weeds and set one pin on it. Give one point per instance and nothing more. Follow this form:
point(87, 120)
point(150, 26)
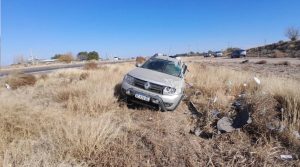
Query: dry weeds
point(71, 120)
point(90, 66)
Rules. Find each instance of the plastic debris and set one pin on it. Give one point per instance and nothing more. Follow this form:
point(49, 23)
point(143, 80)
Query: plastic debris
point(257, 80)
point(215, 99)
point(198, 131)
point(242, 95)
point(282, 127)
point(249, 121)
point(7, 86)
point(241, 119)
point(224, 125)
point(296, 134)
point(286, 157)
point(245, 84)
point(194, 110)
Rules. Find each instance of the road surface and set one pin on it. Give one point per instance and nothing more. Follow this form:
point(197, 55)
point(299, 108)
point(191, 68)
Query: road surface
point(50, 68)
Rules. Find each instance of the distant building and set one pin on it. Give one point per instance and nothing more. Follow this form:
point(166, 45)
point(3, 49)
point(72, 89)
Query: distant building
point(41, 61)
point(117, 58)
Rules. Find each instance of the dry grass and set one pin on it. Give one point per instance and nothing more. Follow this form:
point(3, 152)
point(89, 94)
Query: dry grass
point(73, 118)
point(261, 62)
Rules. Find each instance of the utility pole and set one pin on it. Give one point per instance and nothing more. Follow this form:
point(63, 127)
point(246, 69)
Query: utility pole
point(0, 33)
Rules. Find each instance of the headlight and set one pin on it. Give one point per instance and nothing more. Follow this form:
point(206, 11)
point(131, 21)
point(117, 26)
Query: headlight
point(169, 91)
point(129, 79)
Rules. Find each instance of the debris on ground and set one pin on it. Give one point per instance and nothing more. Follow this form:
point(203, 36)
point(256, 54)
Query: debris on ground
point(257, 80)
point(242, 113)
point(215, 122)
point(7, 86)
point(194, 110)
point(215, 113)
point(225, 125)
point(296, 134)
point(215, 99)
point(286, 157)
point(245, 61)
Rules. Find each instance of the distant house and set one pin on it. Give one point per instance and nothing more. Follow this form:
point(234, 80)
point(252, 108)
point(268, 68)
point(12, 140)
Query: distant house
point(117, 58)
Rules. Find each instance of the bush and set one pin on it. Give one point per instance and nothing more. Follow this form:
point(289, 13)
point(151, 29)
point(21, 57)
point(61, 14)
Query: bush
point(20, 80)
point(139, 60)
point(66, 58)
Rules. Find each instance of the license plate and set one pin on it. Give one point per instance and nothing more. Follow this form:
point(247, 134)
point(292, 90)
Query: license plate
point(142, 97)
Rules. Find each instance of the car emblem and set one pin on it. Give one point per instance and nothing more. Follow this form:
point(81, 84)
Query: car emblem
point(147, 85)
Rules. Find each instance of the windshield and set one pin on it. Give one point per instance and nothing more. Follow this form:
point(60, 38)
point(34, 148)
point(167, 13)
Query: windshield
point(164, 66)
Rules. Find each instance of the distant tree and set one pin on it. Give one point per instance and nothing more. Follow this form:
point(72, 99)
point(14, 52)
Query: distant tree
point(56, 56)
point(292, 33)
point(82, 56)
point(93, 56)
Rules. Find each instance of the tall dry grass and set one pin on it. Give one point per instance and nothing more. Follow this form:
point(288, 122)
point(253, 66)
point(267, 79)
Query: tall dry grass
point(62, 120)
point(73, 118)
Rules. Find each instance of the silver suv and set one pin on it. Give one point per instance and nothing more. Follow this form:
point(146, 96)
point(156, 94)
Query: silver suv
point(158, 82)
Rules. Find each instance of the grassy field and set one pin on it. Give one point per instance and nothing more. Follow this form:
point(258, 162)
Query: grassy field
point(76, 118)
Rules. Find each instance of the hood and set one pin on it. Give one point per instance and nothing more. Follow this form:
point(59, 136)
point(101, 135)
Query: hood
point(156, 77)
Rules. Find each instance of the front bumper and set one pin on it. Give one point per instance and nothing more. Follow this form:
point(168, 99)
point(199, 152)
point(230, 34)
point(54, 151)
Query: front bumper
point(166, 102)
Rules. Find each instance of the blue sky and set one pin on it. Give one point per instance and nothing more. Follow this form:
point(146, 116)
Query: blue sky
point(128, 28)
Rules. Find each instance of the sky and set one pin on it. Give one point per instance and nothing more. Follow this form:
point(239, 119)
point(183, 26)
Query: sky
point(129, 28)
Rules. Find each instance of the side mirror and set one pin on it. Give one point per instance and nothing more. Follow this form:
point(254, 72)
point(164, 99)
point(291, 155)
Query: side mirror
point(184, 69)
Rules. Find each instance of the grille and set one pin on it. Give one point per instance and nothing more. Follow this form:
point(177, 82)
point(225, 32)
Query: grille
point(153, 88)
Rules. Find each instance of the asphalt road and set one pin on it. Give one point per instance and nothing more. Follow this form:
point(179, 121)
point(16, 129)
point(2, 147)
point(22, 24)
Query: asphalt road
point(50, 68)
